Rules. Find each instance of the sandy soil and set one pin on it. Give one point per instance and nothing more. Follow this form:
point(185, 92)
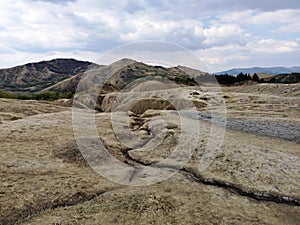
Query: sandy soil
point(254, 178)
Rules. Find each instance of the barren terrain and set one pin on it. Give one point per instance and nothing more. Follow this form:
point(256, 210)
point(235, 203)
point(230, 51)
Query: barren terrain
point(254, 178)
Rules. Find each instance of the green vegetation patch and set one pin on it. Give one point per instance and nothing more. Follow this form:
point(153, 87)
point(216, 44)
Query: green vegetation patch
point(47, 95)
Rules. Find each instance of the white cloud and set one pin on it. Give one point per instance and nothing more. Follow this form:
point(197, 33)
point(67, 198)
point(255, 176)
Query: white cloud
point(223, 32)
point(35, 26)
point(279, 16)
point(187, 32)
point(285, 20)
point(266, 52)
point(273, 46)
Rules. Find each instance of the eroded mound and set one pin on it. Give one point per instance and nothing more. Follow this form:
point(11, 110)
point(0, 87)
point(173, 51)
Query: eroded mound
point(139, 102)
point(152, 85)
point(151, 103)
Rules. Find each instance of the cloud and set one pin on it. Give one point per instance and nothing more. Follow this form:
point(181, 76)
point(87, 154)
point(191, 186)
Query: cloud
point(196, 9)
point(133, 6)
point(263, 5)
point(274, 46)
point(222, 32)
point(63, 2)
point(287, 20)
point(37, 28)
point(186, 32)
point(224, 35)
point(265, 52)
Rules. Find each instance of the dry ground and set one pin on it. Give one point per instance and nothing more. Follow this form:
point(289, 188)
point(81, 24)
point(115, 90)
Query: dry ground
point(253, 180)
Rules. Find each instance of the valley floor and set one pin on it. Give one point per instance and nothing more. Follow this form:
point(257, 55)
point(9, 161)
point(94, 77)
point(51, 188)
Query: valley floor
point(253, 179)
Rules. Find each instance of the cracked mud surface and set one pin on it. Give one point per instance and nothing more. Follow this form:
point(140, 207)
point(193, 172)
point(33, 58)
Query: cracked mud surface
point(44, 180)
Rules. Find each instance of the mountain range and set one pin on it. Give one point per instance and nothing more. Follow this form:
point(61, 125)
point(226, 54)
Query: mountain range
point(33, 77)
point(264, 70)
point(64, 75)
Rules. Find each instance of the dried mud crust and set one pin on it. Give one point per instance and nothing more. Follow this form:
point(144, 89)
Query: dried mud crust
point(267, 102)
point(178, 200)
point(44, 180)
point(249, 163)
point(37, 174)
point(77, 195)
point(11, 109)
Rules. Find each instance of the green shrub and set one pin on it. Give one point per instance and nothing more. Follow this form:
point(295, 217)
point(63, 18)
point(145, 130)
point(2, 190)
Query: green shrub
point(4, 94)
point(48, 95)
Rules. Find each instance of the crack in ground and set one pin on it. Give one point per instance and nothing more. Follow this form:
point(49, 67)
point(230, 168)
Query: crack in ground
point(76, 199)
point(236, 189)
point(233, 188)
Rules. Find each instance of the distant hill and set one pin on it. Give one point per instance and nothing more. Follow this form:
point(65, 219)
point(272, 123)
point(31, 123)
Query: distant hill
point(127, 75)
point(285, 78)
point(34, 77)
point(63, 75)
point(265, 70)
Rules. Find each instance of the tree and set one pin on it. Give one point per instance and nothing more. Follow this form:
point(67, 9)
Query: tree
point(255, 77)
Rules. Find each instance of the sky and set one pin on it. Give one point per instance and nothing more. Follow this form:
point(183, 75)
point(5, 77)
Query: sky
point(223, 34)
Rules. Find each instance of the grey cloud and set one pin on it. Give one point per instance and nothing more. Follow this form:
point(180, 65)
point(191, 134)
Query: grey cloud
point(268, 5)
point(86, 25)
point(56, 1)
point(133, 6)
point(202, 8)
